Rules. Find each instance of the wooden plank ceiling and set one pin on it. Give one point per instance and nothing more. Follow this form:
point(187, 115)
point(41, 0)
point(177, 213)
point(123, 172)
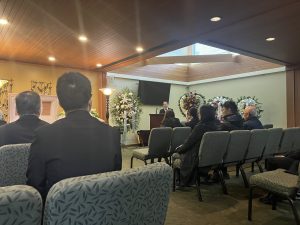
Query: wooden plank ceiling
point(40, 28)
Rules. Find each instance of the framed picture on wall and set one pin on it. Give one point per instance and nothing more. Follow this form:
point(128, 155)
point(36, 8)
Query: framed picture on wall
point(49, 106)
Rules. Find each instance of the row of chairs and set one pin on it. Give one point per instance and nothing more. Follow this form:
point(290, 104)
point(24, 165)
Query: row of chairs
point(120, 197)
point(161, 144)
point(222, 149)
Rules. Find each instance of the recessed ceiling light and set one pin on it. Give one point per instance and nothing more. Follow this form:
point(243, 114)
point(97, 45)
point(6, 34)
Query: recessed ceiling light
point(270, 39)
point(98, 65)
point(51, 59)
point(215, 19)
point(139, 49)
point(3, 21)
point(82, 38)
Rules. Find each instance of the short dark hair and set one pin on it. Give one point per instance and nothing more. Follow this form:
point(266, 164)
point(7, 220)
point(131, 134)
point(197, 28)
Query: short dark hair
point(231, 105)
point(193, 112)
point(73, 91)
point(207, 113)
point(28, 102)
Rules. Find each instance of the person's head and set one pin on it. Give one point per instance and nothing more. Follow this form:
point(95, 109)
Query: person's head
point(165, 105)
point(229, 107)
point(73, 91)
point(207, 113)
point(28, 103)
point(193, 112)
point(249, 111)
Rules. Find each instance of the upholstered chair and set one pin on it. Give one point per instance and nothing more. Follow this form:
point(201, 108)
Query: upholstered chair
point(20, 204)
point(134, 196)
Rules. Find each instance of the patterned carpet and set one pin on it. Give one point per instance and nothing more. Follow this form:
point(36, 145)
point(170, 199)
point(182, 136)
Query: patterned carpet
point(185, 209)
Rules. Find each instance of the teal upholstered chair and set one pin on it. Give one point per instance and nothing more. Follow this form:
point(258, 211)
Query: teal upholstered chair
point(135, 196)
point(279, 183)
point(20, 204)
point(13, 164)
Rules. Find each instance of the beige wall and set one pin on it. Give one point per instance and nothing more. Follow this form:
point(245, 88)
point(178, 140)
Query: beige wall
point(175, 92)
point(270, 89)
point(22, 74)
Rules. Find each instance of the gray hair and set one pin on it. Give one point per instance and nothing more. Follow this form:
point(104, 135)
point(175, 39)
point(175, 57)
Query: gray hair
point(253, 112)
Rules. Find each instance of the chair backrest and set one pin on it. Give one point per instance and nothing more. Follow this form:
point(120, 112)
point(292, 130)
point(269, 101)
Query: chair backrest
point(287, 140)
point(257, 144)
point(273, 143)
point(13, 164)
point(268, 126)
point(179, 135)
point(159, 141)
point(296, 144)
point(135, 196)
point(237, 146)
point(212, 148)
point(20, 204)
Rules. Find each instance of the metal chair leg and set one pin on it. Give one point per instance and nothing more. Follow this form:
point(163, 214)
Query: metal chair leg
point(274, 202)
point(131, 162)
point(198, 187)
point(237, 169)
point(174, 179)
point(250, 203)
point(221, 177)
point(294, 211)
point(260, 167)
point(245, 179)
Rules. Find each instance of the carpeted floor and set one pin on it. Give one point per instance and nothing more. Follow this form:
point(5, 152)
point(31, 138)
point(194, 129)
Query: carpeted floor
point(185, 209)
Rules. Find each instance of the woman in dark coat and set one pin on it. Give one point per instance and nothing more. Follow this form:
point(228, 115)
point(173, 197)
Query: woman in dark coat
point(194, 118)
point(170, 120)
point(186, 156)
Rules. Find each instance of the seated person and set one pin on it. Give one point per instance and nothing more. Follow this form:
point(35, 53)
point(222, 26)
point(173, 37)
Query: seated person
point(186, 155)
point(193, 118)
point(165, 108)
point(232, 120)
point(76, 145)
point(28, 106)
point(170, 120)
point(251, 120)
point(2, 121)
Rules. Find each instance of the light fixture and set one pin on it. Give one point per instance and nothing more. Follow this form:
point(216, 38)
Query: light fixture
point(106, 91)
point(3, 21)
point(82, 38)
point(51, 58)
point(215, 19)
point(139, 49)
point(270, 39)
point(98, 65)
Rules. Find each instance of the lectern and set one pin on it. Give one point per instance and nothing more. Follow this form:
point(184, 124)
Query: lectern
point(155, 120)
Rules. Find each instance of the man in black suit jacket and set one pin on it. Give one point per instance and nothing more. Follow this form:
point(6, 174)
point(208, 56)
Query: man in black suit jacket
point(28, 105)
point(165, 108)
point(76, 145)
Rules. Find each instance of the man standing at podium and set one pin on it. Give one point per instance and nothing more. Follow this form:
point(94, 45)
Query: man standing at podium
point(165, 108)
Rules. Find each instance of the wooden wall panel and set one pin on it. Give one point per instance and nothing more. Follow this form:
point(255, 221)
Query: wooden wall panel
point(102, 81)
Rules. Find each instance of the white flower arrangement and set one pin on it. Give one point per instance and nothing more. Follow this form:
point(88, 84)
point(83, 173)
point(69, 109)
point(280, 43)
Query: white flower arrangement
point(125, 109)
point(218, 102)
point(244, 101)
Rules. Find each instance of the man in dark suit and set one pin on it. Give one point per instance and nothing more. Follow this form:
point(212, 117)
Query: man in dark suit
point(28, 105)
point(76, 145)
point(165, 108)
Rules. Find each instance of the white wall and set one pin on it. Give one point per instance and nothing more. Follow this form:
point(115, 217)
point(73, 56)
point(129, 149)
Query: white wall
point(175, 92)
point(270, 90)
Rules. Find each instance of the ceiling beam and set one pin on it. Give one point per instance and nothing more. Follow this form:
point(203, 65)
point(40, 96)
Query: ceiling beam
point(191, 59)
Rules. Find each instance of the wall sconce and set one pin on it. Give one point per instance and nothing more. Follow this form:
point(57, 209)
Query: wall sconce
point(107, 92)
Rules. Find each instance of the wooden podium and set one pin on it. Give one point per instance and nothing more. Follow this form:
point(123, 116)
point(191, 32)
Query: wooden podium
point(155, 120)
